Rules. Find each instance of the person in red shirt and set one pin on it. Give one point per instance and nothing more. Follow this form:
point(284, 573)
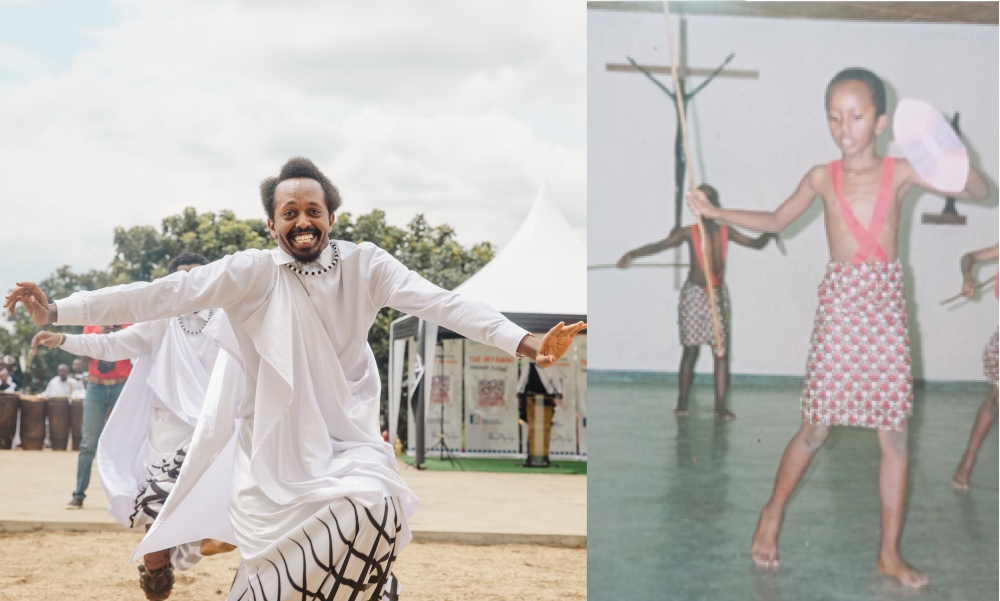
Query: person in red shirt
point(104, 384)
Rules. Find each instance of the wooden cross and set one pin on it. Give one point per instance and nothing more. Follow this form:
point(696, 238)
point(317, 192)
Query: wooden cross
point(680, 163)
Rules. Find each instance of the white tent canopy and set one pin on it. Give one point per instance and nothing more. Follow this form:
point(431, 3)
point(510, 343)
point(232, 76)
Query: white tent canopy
point(537, 280)
point(542, 270)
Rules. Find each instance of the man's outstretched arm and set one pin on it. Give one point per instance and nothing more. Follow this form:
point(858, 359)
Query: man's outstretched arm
point(391, 284)
point(217, 284)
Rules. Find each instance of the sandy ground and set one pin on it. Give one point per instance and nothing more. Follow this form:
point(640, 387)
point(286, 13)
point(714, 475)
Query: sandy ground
point(85, 566)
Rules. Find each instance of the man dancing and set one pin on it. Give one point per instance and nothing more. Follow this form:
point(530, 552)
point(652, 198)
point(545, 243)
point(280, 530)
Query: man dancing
point(317, 505)
point(141, 450)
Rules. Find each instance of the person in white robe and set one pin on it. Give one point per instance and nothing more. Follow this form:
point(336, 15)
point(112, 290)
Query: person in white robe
point(316, 505)
point(61, 385)
point(142, 448)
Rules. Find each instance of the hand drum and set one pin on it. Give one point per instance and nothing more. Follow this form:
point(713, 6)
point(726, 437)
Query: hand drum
point(931, 145)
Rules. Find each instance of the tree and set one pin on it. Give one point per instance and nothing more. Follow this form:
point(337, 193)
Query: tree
point(143, 253)
point(431, 251)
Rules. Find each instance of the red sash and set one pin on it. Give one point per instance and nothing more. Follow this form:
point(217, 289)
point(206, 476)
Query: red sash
point(714, 278)
point(867, 238)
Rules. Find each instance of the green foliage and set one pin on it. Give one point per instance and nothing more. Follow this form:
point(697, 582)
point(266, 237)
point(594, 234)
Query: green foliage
point(17, 341)
point(142, 254)
point(432, 252)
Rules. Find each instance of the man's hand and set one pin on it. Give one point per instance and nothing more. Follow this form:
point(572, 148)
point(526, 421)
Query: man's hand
point(700, 205)
point(556, 342)
point(45, 339)
point(625, 261)
point(34, 302)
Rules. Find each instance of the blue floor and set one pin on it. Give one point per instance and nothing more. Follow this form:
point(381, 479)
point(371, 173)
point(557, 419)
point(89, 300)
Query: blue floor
point(672, 502)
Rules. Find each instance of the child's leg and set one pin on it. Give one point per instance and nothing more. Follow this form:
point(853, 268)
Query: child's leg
point(794, 463)
point(685, 377)
point(892, 490)
point(984, 421)
point(722, 387)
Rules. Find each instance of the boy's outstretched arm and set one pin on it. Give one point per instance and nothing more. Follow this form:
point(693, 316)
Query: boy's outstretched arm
point(757, 243)
point(969, 284)
point(976, 187)
point(763, 221)
point(674, 239)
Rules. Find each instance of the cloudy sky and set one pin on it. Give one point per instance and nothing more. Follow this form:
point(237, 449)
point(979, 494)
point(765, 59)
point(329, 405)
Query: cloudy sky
point(122, 112)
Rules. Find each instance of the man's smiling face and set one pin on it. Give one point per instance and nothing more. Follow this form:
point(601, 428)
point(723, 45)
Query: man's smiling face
point(301, 218)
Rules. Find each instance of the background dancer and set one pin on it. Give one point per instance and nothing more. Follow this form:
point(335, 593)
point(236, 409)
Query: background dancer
point(988, 411)
point(317, 504)
point(694, 311)
point(858, 370)
point(154, 419)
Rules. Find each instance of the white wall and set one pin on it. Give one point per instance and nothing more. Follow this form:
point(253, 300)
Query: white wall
point(754, 141)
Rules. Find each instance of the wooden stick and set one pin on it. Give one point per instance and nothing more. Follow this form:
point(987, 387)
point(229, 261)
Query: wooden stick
point(720, 349)
point(978, 287)
point(615, 265)
point(734, 73)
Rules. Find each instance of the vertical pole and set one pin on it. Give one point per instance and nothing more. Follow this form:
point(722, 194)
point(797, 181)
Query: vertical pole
point(720, 348)
point(418, 392)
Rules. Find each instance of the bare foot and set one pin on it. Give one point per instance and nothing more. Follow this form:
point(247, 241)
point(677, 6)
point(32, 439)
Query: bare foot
point(681, 412)
point(895, 567)
point(960, 481)
point(726, 414)
point(764, 550)
point(210, 546)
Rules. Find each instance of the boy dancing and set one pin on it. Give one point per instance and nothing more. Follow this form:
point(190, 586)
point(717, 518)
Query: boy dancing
point(693, 308)
point(988, 411)
point(858, 369)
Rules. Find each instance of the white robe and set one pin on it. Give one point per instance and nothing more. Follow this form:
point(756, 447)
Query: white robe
point(308, 413)
point(159, 405)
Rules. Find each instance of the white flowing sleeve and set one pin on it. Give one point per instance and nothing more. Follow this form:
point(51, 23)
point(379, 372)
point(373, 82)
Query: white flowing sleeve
point(392, 284)
point(132, 342)
point(218, 284)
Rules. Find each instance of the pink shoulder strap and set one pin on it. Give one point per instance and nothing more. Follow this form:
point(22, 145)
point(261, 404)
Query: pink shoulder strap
point(867, 238)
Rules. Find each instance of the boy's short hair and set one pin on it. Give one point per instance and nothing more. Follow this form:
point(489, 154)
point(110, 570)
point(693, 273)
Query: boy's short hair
point(186, 258)
point(711, 193)
point(866, 77)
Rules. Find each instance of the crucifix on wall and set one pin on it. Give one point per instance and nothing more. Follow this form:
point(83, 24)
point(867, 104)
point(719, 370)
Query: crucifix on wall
point(682, 96)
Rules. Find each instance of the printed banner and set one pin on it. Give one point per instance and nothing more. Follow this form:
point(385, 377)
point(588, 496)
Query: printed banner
point(446, 398)
point(563, 438)
point(490, 400)
point(581, 393)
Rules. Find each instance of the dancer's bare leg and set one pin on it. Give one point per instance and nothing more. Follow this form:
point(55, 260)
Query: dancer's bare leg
point(795, 461)
point(722, 387)
point(892, 491)
point(984, 421)
point(684, 379)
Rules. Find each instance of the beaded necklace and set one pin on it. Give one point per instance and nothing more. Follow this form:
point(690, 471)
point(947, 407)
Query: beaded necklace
point(301, 271)
point(187, 331)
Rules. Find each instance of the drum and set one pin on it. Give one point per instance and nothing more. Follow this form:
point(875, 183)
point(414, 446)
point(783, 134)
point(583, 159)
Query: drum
point(57, 410)
point(32, 423)
point(9, 404)
point(539, 413)
point(76, 421)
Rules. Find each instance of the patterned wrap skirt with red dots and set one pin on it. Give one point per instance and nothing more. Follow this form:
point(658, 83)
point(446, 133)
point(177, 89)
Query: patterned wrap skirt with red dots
point(991, 358)
point(858, 372)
